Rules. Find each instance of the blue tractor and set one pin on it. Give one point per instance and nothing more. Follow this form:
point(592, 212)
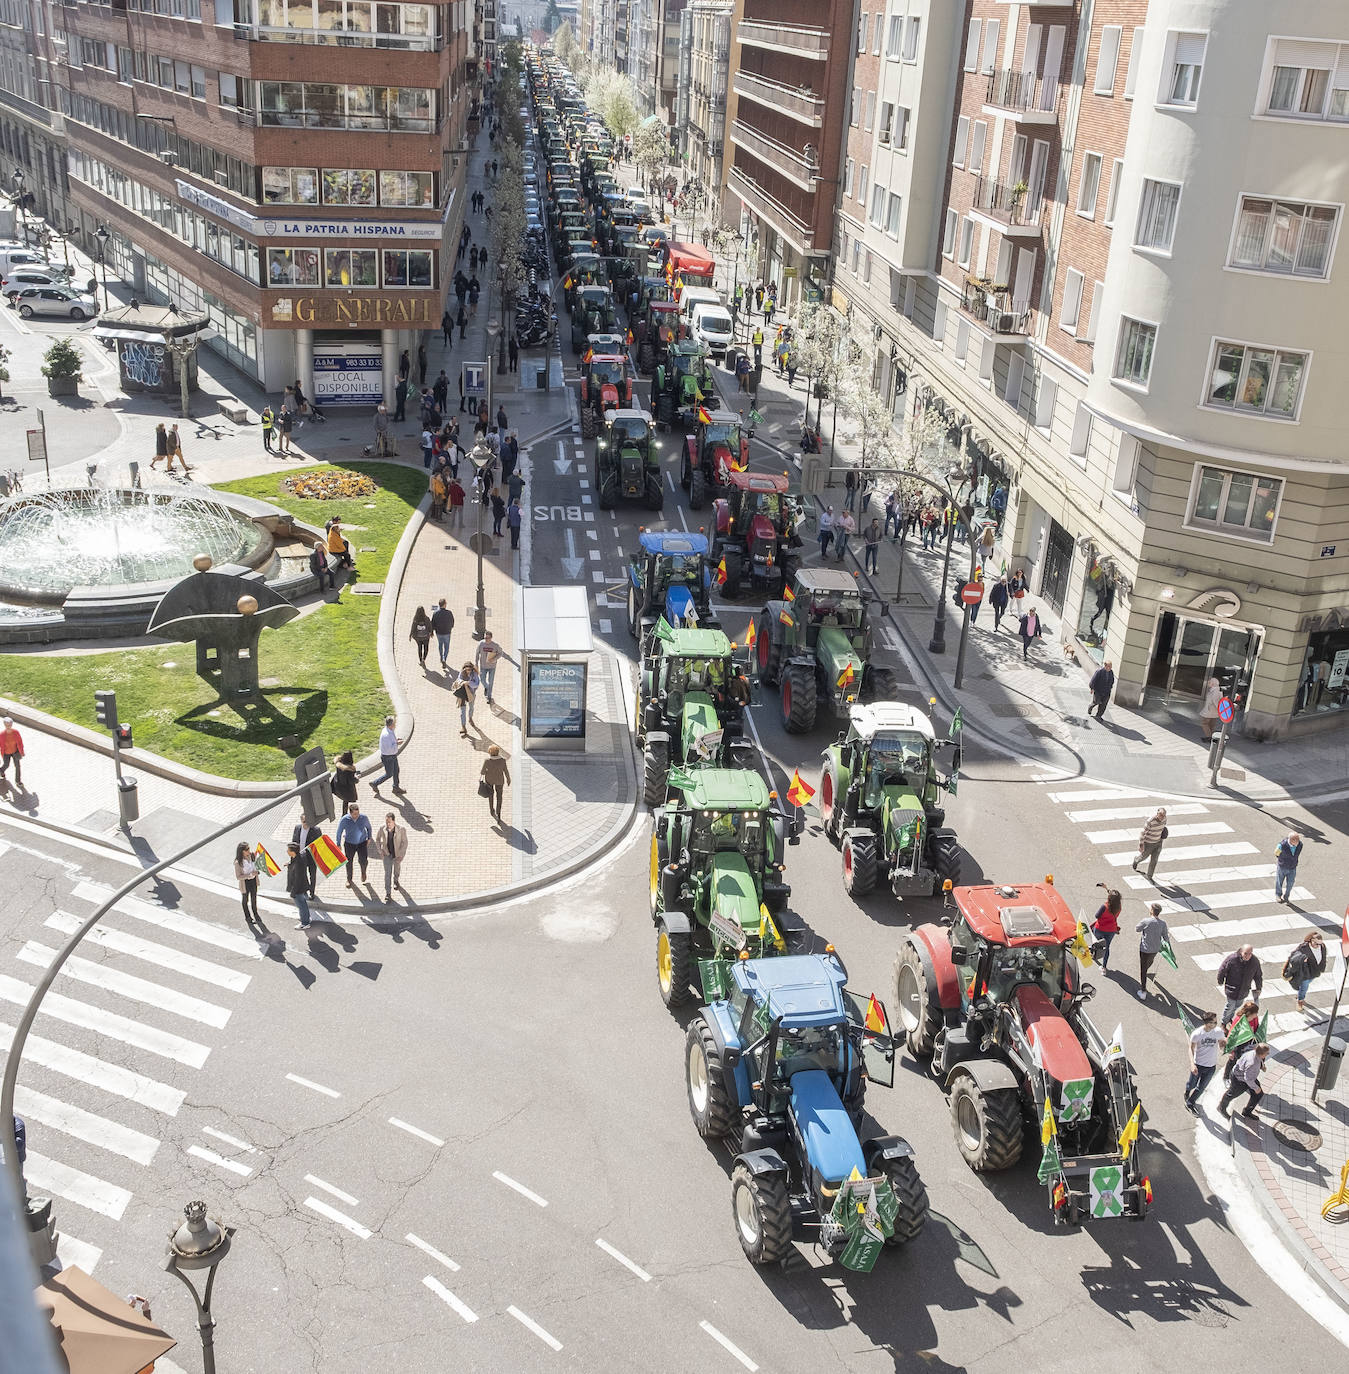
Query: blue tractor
point(669, 577)
point(780, 1066)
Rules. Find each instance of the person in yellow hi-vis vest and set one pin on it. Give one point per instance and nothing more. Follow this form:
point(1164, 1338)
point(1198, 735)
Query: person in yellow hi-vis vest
point(757, 340)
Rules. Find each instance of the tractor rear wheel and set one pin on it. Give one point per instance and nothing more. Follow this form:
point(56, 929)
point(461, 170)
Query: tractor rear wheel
point(589, 424)
point(768, 649)
point(798, 700)
point(917, 1005)
point(708, 1101)
point(632, 611)
point(655, 771)
point(859, 864)
point(762, 1208)
point(831, 802)
point(730, 589)
point(987, 1125)
point(674, 965)
point(608, 492)
point(697, 490)
point(946, 860)
point(911, 1195)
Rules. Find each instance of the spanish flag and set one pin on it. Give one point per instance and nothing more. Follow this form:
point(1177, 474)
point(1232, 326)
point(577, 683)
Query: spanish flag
point(875, 1021)
point(703, 417)
point(799, 791)
point(788, 594)
point(721, 573)
point(265, 862)
point(327, 855)
point(566, 285)
point(587, 355)
point(680, 282)
point(629, 336)
point(846, 677)
point(751, 635)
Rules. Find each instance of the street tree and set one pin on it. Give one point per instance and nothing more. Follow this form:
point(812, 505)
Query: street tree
point(565, 44)
point(818, 348)
point(866, 409)
point(651, 151)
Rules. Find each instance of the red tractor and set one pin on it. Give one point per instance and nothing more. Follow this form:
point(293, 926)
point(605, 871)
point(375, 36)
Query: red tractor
point(996, 1001)
point(655, 333)
point(755, 522)
point(605, 385)
point(718, 446)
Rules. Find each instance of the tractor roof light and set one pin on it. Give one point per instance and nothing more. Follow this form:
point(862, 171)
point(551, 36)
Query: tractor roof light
point(744, 954)
point(946, 885)
point(1049, 879)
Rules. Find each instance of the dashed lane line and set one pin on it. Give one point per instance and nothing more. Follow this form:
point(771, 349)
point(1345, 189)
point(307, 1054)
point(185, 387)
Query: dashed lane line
point(431, 1250)
point(417, 1131)
point(456, 1305)
point(622, 1259)
point(729, 1346)
point(230, 1140)
point(520, 1188)
point(317, 1087)
point(341, 1218)
point(531, 1325)
point(335, 1192)
point(210, 1156)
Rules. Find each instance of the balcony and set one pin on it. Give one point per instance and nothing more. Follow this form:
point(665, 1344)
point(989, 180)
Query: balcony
point(1028, 98)
point(796, 231)
point(340, 38)
point(777, 155)
point(801, 104)
point(1007, 207)
point(797, 39)
point(994, 308)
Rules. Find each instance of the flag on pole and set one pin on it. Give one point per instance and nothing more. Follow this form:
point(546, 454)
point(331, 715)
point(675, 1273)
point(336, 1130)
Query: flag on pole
point(788, 594)
point(768, 931)
point(1116, 1050)
point(663, 631)
point(1168, 953)
point(875, 1019)
point(1129, 1135)
point(265, 862)
point(785, 618)
point(846, 677)
point(1050, 1162)
point(751, 636)
point(629, 336)
point(1080, 947)
point(1241, 1034)
point(587, 355)
point(1190, 1026)
point(799, 791)
point(721, 573)
point(327, 855)
point(1344, 936)
point(566, 285)
point(703, 417)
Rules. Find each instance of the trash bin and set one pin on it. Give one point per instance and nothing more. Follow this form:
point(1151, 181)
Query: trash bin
point(541, 376)
point(1329, 1071)
point(732, 357)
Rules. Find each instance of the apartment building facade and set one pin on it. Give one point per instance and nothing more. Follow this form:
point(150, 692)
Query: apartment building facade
point(294, 168)
point(1139, 333)
point(704, 75)
point(654, 53)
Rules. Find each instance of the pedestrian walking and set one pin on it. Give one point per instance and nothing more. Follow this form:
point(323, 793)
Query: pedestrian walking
point(161, 446)
point(391, 847)
point(297, 881)
point(487, 657)
point(871, 543)
point(404, 365)
point(268, 422)
point(756, 340)
point(1204, 1044)
point(1246, 1079)
point(825, 530)
point(388, 758)
point(456, 503)
point(420, 634)
point(498, 512)
point(302, 837)
point(1016, 590)
point(1102, 684)
point(246, 875)
point(11, 751)
point(1031, 628)
point(1306, 963)
point(1209, 719)
point(501, 420)
point(495, 776)
point(176, 448)
point(850, 489)
point(465, 693)
point(1240, 977)
point(742, 371)
point(421, 364)
point(513, 518)
point(344, 779)
point(1106, 923)
point(1151, 933)
point(997, 598)
point(474, 290)
point(844, 528)
point(442, 618)
point(462, 322)
point(1286, 858)
point(447, 327)
point(353, 839)
point(1150, 840)
point(513, 353)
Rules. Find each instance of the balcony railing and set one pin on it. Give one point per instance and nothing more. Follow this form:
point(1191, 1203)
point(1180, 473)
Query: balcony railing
point(1024, 93)
point(812, 43)
point(783, 220)
point(1008, 203)
point(799, 103)
point(994, 306)
point(778, 155)
point(338, 38)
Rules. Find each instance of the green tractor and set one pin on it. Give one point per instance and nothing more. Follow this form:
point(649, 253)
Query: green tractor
point(816, 644)
point(717, 856)
point(880, 800)
point(691, 700)
point(592, 313)
point(681, 384)
point(627, 465)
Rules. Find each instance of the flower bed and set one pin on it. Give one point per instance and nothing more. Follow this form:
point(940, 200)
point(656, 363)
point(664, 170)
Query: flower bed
point(330, 484)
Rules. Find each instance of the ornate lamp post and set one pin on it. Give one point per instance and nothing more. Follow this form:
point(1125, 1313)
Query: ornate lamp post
point(102, 235)
point(480, 456)
point(18, 196)
point(199, 1243)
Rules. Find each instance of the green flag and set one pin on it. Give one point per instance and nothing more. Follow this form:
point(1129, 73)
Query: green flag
point(1241, 1034)
point(679, 779)
point(1050, 1164)
point(957, 723)
point(1168, 953)
point(1190, 1026)
point(663, 631)
point(1262, 1031)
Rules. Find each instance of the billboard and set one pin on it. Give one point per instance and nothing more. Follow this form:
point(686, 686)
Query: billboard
point(348, 374)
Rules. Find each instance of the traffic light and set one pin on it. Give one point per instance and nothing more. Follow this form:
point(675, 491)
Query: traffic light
point(105, 709)
point(316, 802)
point(122, 736)
point(1227, 682)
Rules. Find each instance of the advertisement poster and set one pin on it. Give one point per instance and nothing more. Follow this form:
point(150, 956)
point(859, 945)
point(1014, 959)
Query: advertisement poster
point(557, 701)
point(350, 374)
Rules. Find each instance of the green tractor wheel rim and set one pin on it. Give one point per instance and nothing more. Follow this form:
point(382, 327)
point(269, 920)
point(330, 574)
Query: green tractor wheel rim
point(747, 1214)
point(698, 1077)
point(664, 961)
point(910, 999)
point(967, 1122)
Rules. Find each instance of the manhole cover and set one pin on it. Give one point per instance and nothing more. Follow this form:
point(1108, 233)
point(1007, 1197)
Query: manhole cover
point(1010, 709)
point(1297, 1135)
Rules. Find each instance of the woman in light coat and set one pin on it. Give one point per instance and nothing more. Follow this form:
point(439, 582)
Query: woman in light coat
point(246, 875)
point(1209, 719)
point(391, 845)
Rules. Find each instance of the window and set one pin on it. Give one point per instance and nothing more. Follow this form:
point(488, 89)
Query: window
point(407, 267)
point(991, 31)
point(1094, 314)
point(866, 267)
point(962, 139)
point(948, 242)
point(406, 188)
point(1126, 465)
point(878, 205)
point(1112, 194)
point(1107, 59)
point(871, 111)
point(1235, 502)
point(856, 115)
point(847, 177)
point(1045, 400)
point(1257, 381)
point(878, 33)
point(1073, 282)
point(962, 348)
point(896, 37)
point(1131, 71)
point(1182, 69)
point(350, 267)
point(862, 185)
point(290, 185)
point(901, 129)
point(1308, 80)
point(1283, 236)
point(862, 34)
point(1133, 359)
point(1157, 215)
point(911, 39)
point(892, 215)
point(966, 242)
point(972, 45)
point(345, 186)
point(1089, 185)
point(978, 138)
point(235, 92)
point(293, 266)
point(1016, 372)
point(887, 122)
point(910, 295)
point(1077, 445)
point(856, 255)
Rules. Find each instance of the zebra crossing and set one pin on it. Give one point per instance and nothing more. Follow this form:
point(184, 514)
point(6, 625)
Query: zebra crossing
point(111, 1058)
point(1216, 889)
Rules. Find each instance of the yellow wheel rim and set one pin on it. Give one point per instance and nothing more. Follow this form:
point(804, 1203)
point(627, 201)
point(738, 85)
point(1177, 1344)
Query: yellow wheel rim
point(655, 871)
point(663, 960)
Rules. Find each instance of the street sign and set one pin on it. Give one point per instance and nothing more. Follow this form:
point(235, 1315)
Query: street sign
point(972, 593)
point(37, 446)
point(1225, 709)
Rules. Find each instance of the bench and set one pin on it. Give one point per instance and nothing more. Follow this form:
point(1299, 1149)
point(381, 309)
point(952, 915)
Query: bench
point(234, 411)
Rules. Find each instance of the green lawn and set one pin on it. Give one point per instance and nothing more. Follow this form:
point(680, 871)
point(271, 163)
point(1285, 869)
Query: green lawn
point(327, 686)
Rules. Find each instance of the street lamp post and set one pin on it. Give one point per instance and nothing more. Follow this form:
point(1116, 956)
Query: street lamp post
point(102, 235)
point(199, 1243)
point(937, 644)
point(18, 189)
point(480, 456)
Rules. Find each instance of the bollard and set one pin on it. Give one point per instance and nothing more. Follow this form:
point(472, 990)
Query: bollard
point(128, 800)
point(1329, 1071)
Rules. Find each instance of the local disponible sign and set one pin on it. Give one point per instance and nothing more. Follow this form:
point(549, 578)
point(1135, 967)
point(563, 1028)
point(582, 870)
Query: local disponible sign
point(355, 311)
point(349, 375)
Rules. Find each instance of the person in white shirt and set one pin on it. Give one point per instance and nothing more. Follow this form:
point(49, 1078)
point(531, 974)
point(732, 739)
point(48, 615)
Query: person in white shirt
point(488, 655)
point(1205, 1043)
point(388, 757)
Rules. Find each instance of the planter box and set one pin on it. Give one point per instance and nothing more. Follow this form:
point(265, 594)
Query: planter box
point(63, 386)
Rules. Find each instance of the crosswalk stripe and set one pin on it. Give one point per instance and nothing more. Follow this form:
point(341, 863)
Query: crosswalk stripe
point(1123, 836)
point(1195, 876)
point(78, 1254)
point(1229, 901)
point(162, 956)
point(1137, 813)
point(177, 921)
point(1250, 925)
point(1267, 954)
point(1100, 795)
point(93, 1130)
point(129, 986)
point(1297, 1020)
point(210, 1156)
point(1276, 987)
point(162, 1043)
point(97, 1073)
point(1187, 851)
point(72, 1185)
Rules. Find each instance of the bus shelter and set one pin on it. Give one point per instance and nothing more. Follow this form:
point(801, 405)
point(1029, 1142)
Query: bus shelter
point(555, 648)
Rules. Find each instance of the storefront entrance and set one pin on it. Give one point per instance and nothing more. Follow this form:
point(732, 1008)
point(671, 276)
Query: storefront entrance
point(1186, 653)
point(1058, 561)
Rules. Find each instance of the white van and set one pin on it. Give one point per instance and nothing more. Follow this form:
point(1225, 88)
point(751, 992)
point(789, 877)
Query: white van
point(17, 256)
point(691, 297)
point(712, 326)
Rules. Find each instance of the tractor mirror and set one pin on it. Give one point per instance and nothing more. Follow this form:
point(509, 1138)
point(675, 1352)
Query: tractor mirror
point(730, 1056)
point(958, 955)
point(842, 735)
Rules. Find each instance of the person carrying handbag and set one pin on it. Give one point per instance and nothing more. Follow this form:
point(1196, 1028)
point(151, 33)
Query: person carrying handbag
point(495, 776)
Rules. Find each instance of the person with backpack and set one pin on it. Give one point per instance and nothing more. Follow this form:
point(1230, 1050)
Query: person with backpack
point(1306, 963)
point(1286, 858)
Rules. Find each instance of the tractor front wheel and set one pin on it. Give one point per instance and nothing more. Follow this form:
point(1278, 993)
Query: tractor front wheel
point(798, 700)
point(674, 966)
point(831, 802)
point(608, 493)
point(655, 491)
point(632, 611)
point(655, 771)
point(946, 860)
point(708, 1102)
point(730, 589)
point(911, 1195)
point(859, 864)
point(697, 490)
point(660, 856)
point(589, 424)
point(987, 1126)
point(762, 1207)
point(917, 1005)
point(768, 649)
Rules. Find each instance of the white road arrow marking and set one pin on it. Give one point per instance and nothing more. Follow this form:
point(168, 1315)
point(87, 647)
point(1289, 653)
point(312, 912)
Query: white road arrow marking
point(571, 564)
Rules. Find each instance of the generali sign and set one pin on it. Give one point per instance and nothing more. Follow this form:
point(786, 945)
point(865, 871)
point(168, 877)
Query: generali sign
point(356, 310)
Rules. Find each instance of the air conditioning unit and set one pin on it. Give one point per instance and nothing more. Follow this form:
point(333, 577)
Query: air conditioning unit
point(878, 333)
point(1006, 322)
point(167, 157)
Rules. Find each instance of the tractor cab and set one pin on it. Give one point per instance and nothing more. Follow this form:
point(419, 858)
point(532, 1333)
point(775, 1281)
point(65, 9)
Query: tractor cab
point(668, 576)
point(682, 382)
point(607, 344)
point(592, 312)
point(660, 329)
point(607, 374)
point(587, 269)
point(627, 465)
point(718, 447)
point(653, 289)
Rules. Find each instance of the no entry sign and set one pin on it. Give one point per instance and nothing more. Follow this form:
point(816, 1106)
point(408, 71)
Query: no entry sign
point(972, 593)
point(1225, 710)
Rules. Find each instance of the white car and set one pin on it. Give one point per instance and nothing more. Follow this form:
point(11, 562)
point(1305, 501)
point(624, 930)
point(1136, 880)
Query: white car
point(61, 301)
point(21, 278)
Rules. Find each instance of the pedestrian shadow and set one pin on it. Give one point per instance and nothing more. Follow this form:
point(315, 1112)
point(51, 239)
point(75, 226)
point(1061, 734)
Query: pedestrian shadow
point(522, 840)
point(413, 923)
point(414, 819)
point(21, 799)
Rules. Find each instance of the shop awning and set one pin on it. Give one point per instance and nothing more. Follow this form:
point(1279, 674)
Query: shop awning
point(98, 1332)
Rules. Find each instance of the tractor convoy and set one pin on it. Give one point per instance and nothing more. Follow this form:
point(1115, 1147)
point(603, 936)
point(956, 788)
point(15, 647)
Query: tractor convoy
point(988, 980)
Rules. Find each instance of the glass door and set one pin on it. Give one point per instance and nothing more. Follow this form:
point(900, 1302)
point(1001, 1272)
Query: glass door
point(1194, 653)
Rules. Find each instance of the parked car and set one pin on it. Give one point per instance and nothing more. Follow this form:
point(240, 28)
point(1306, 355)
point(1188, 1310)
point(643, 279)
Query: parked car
point(63, 302)
point(22, 278)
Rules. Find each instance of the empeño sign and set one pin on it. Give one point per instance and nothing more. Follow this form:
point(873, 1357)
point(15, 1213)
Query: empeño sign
point(325, 308)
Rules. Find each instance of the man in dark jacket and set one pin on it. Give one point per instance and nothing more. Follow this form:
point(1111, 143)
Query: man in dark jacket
point(299, 871)
point(318, 565)
point(997, 599)
point(1102, 684)
point(442, 624)
point(1240, 977)
point(400, 396)
point(302, 837)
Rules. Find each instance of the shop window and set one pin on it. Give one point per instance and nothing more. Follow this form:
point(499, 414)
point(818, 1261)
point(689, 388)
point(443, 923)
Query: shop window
point(346, 186)
point(350, 267)
point(293, 266)
point(1098, 600)
point(405, 188)
point(290, 185)
point(407, 267)
point(1323, 684)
